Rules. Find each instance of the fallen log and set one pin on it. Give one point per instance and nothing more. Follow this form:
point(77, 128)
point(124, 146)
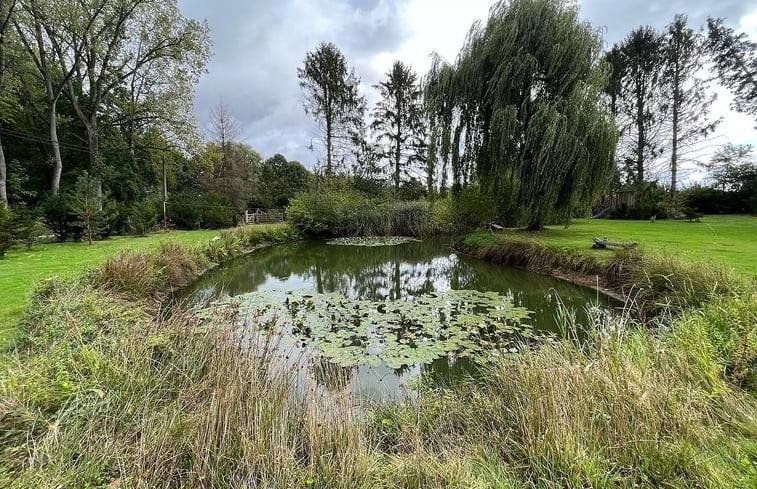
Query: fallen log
point(494, 228)
point(604, 243)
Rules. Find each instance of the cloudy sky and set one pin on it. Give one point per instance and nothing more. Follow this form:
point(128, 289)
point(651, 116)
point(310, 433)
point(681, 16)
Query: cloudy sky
point(258, 45)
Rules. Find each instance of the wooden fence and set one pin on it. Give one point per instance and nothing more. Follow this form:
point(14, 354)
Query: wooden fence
point(264, 216)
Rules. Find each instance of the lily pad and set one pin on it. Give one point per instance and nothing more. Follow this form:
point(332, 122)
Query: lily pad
point(372, 241)
point(460, 323)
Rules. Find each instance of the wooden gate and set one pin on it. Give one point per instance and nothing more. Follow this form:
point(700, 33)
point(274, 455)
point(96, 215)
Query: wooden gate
point(264, 216)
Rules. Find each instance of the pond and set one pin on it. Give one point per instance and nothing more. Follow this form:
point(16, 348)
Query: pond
point(371, 319)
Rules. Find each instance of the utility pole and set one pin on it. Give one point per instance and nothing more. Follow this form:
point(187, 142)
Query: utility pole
point(165, 194)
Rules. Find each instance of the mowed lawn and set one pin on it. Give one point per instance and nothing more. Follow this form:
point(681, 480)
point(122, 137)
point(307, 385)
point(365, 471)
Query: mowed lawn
point(726, 240)
point(21, 269)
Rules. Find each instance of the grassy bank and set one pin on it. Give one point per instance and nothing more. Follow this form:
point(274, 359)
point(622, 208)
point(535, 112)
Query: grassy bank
point(725, 241)
point(22, 268)
point(100, 394)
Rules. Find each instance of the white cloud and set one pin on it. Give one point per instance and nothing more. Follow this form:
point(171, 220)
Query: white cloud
point(437, 26)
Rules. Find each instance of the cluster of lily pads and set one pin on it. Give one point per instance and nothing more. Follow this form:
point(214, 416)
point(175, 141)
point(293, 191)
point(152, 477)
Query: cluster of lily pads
point(372, 241)
point(457, 323)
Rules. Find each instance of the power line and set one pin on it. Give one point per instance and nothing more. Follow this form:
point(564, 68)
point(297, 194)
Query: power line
point(38, 139)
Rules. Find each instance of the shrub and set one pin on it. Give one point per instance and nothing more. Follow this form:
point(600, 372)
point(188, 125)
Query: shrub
point(346, 212)
point(218, 211)
point(87, 207)
point(708, 200)
point(144, 216)
point(59, 217)
point(212, 210)
point(6, 229)
point(721, 337)
point(456, 214)
point(411, 189)
point(28, 228)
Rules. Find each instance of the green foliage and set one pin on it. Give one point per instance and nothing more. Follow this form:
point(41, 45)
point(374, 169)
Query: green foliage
point(722, 336)
point(6, 229)
point(651, 201)
point(371, 241)
point(463, 212)
point(59, 217)
point(735, 58)
point(480, 326)
point(708, 200)
point(528, 86)
point(637, 100)
point(28, 228)
point(143, 216)
point(398, 121)
point(280, 180)
point(210, 210)
point(87, 206)
point(688, 95)
point(346, 212)
point(411, 189)
point(332, 98)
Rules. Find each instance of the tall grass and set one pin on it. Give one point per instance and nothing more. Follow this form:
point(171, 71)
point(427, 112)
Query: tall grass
point(622, 410)
point(172, 403)
point(101, 393)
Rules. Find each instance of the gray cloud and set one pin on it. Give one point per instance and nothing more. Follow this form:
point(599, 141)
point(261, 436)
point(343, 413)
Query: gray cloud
point(258, 46)
point(621, 16)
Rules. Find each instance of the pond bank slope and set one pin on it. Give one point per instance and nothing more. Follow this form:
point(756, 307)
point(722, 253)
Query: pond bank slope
point(100, 393)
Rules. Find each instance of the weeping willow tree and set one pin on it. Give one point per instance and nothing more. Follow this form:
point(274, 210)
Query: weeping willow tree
point(528, 115)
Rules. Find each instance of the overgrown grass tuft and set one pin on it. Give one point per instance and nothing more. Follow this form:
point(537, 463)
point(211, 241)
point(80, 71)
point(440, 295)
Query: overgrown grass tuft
point(624, 409)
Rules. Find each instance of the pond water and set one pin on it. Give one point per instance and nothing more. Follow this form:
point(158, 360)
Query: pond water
point(371, 319)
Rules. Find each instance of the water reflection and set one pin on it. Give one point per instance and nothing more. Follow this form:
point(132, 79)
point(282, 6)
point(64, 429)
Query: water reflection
point(391, 272)
point(383, 273)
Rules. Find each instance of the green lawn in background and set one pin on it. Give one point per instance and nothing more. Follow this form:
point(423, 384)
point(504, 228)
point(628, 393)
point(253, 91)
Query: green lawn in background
point(726, 240)
point(21, 269)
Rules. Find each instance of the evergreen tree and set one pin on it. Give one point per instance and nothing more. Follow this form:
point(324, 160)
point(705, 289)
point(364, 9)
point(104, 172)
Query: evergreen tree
point(331, 96)
point(640, 105)
point(735, 58)
point(85, 200)
point(398, 120)
point(687, 93)
point(439, 95)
